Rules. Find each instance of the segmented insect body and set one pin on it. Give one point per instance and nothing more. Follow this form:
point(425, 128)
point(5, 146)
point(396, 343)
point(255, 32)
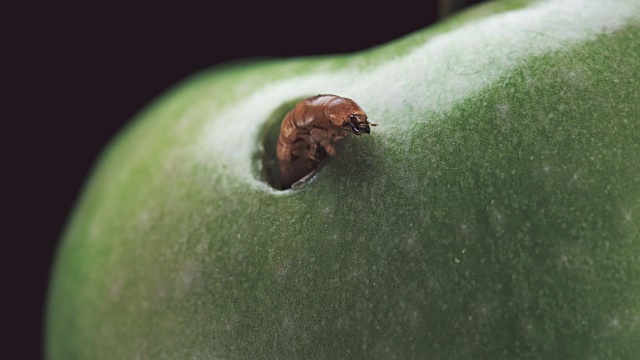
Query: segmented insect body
point(309, 132)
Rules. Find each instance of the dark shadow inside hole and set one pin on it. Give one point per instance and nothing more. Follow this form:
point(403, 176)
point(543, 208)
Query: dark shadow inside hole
point(265, 159)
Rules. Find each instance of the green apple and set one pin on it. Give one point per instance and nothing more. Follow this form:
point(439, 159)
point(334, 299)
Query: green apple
point(494, 212)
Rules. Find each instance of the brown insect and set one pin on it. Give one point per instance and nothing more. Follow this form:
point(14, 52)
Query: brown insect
point(309, 132)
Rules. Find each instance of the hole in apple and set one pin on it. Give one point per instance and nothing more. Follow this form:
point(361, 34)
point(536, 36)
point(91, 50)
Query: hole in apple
point(265, 159)
point(311, 133)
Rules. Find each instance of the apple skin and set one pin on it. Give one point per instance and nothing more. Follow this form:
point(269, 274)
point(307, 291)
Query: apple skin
point(493, 213)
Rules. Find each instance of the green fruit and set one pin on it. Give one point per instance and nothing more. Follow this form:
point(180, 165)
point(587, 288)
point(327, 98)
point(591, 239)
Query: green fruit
point(494, 212)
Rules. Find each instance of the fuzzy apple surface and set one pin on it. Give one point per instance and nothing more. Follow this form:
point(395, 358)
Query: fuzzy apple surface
point(493, 213)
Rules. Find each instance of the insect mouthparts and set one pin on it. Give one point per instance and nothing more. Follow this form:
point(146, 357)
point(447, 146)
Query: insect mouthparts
point(360, 129)
point(356, 126)
point(364, 128)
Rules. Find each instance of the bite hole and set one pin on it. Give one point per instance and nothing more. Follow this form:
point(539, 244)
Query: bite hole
point(265, 159)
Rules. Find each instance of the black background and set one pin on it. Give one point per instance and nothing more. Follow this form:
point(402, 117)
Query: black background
point(76, 73)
